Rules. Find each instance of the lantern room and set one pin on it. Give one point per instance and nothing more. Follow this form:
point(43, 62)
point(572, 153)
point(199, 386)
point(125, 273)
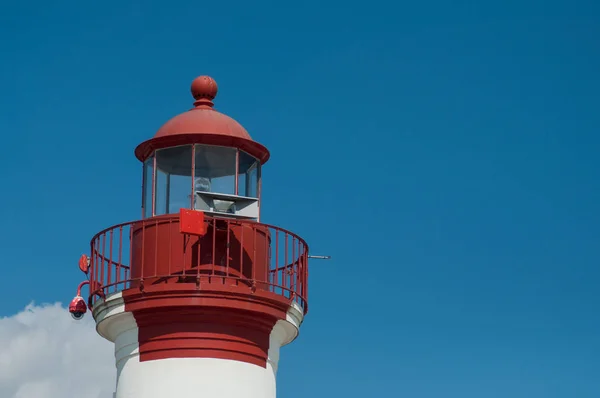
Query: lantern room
point(202, 160)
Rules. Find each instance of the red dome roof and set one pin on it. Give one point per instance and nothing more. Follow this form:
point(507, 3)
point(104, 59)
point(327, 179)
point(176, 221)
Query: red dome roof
point(202, 121)
point(202, 125)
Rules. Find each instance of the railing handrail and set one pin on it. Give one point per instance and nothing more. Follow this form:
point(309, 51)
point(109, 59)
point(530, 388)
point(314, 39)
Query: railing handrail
point(109, 260)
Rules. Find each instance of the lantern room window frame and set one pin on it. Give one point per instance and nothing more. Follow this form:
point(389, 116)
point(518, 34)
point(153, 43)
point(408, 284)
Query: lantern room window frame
point(150, 170)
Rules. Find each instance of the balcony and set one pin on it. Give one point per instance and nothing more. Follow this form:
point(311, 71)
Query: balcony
point(232, 252)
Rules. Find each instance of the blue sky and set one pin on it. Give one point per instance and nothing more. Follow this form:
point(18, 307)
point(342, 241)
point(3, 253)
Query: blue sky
point(444, 153)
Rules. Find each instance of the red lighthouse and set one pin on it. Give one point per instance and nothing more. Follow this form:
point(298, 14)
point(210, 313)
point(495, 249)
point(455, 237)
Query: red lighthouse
point(198, 295)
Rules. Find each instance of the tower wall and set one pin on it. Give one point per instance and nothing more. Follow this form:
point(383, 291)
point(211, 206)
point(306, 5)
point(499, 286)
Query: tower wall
point(227, 249)
point(183, 356)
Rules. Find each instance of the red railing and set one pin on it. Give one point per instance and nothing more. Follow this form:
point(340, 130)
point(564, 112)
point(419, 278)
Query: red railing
point(153, 251)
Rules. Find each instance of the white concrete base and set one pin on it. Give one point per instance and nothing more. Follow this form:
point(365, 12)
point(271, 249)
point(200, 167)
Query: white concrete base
point(194, 378)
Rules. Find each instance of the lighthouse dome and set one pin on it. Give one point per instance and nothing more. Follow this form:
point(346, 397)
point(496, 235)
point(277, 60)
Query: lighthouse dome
point(203, 118)
point(203, 125)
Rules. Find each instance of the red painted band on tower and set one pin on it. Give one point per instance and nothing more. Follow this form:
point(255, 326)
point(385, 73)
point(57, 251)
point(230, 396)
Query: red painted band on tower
point(204, 333)
point(218, 321)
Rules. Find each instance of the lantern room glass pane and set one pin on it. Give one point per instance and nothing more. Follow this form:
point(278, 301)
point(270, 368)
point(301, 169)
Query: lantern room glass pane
point(173, 179)
point(147, 187)
point(248, 175)
point(160, 192)
point(215, 169)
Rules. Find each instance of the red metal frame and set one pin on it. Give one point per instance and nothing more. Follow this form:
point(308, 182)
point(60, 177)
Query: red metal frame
point(153, 186)
point(144, 204)
point(237, 170)
point(193, 174)
point(259, 187)
point(286, 256)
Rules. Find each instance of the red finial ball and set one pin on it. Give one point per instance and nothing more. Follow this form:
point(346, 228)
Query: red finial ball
point(204, 87)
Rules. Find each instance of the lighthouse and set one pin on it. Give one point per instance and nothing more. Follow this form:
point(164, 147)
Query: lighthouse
point(198, 295)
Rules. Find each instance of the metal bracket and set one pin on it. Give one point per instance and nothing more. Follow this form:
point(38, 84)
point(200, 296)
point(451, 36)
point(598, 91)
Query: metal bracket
point(320, 257)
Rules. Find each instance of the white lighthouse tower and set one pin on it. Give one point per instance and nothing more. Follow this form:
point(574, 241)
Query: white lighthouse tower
point(198, 295)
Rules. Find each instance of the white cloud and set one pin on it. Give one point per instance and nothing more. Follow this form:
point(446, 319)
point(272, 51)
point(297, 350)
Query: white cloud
point(44, 353)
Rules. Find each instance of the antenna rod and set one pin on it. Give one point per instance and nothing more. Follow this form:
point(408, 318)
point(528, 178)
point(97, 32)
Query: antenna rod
point(320, 257)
